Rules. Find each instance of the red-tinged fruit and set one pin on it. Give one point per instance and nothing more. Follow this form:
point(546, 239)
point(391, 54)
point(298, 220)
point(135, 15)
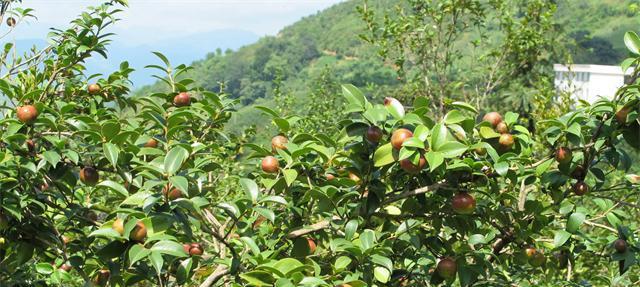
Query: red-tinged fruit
point(502, 128)
point(196, 249)
point(182, 100)
point(354, 177)
point(152, 143)
point(506, 141)
point(94, 89)
point(173, 194)
point(89, 176)
point(186, 247)
point(102, 277)
point(463, 203)
point(312, 245)
point(399, 136)
point(27, 114)
point(620, 245)
point(563, 155)
point(65, 267)
point(447, 268)
point(408, 166)
point(270, 164)
point(330, 176)
point(580, 188)
point(621, 115)
point(494, 118)
point(374, 134)
point(279, 142)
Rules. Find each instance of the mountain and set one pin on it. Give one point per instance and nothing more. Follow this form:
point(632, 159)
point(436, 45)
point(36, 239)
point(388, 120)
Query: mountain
point(328, 43)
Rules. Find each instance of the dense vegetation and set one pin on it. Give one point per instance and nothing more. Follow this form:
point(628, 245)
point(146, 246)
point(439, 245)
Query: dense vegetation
point(99, 187)
point(329, 43)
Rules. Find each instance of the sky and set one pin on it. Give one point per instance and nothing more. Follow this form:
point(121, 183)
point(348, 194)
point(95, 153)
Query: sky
point(148, 21)
point(184, 30)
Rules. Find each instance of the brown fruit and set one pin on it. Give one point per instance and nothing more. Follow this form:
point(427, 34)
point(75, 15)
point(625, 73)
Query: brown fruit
point(564, 155)
point(65, 267)
point(374, 134)
point(330, 176)
point(256, 224)
point(118, 226)
point(270, 164)
point(92, 215)
point(502, 128)
point(196, 249)
point(620, 245)
point(44, 186)
point(173, 194)
point(312, 245)
point(94, 89)
point(506, 141)
point(27, 114)
point(279, 142)
point(182, 99)
point(447, 268)
point(354, 177)
point(621, 115)
point(481, 151)
point(579, 173)
point(463, 203)
point(494, 118)
point(399, 136)
point(89, 176)
point(31, 146)
point(409, 167)
point(139, 232)
point(537, 259)
point(580, 188)
point(102, 277)
point(65, 239)
point(529, 252)
point(186, 247)
point(11, 22)
point(152, 143)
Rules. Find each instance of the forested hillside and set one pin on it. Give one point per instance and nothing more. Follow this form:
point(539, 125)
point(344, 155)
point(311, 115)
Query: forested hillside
point(328, 45)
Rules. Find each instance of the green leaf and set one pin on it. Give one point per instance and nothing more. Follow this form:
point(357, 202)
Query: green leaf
point(383, 155)
point(452, 149)
point(157, 261)
point(174, 159)
point(117, 187)
point(367, 239)
point(464, 106)
point(454, 117)
point(286, 265)
point(381, 274)
point(501, 168)
point(438, 136)
point(251, 244)
point(181, 183)
point(44, 268)
point(350, 229)
point(435, 159)
point(341, 263)
point(632, 42)
point(290, 176)
point(258, 278)
point(111, 152)
point(476, 239)
point(560, 238)
point(137, 252)
point(52, 157)
point(542, 168)
point(184, 270)
point(488, 133)
point(354, 96)
point(250, 189)
point(169, 247)
point(575, 220)
point(275, 199)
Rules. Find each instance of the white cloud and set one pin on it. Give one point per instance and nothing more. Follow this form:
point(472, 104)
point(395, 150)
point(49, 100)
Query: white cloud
point(147, 21)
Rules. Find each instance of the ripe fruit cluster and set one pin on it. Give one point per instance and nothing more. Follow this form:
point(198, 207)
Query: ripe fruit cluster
point(193, 249)
point(505, 140)
point(182, 99)
point(27, 114)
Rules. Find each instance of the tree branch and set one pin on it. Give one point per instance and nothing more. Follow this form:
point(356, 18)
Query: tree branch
point(218, 273)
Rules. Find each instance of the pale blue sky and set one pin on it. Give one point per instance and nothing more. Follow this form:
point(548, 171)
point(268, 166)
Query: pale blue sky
point(184, 30)
point(147, 21)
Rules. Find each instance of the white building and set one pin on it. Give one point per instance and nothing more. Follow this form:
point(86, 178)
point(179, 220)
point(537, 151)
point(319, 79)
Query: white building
point(589, 82)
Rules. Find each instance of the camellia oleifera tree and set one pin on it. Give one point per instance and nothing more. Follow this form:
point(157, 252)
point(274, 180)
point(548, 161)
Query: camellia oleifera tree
point(101, 188)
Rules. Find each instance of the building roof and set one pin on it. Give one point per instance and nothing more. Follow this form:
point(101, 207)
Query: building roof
point(595, 69)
